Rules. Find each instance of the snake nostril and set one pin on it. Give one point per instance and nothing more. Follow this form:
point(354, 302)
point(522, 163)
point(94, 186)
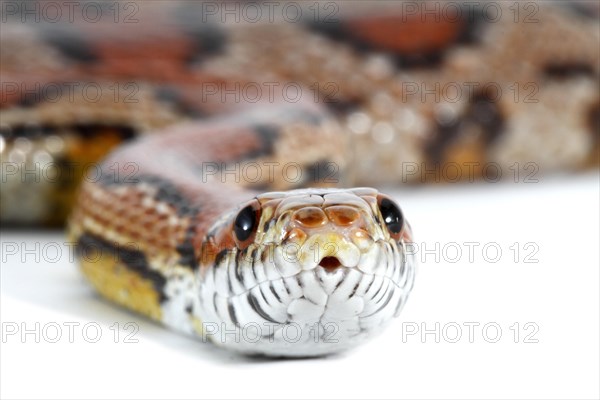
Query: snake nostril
point(342, 215)
point(311, 217)
point(330, 263)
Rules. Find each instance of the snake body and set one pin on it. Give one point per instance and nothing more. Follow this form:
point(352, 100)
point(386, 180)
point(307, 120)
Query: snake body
point(303, 272)
point(177, 225)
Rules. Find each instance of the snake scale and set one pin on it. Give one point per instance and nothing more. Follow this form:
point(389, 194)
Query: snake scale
point(215, 138)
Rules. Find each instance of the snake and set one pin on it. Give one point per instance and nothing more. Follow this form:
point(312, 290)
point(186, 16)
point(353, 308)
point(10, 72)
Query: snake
point(234, 162)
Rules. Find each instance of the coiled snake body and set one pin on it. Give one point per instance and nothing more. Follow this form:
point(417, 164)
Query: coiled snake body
point(176, 224)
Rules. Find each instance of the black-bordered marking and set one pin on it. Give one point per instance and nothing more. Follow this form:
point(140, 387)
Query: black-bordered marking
point(166, 192)
point(133, 260)
point(72, 44)
point(568, 69)
point(472, 21)
point(483, 111)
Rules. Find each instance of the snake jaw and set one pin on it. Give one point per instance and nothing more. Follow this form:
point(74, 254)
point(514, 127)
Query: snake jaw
point(331, 308)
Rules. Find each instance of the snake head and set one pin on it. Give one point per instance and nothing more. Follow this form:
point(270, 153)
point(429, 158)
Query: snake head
point(311, 271)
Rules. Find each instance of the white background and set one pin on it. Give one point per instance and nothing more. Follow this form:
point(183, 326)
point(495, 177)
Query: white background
point(559, 295)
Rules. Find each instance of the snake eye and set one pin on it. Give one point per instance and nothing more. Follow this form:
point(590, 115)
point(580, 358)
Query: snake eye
point(245, 223)
point(392, 216)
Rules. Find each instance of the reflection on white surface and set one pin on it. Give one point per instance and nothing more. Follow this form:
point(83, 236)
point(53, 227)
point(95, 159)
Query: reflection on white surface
point(460, 286)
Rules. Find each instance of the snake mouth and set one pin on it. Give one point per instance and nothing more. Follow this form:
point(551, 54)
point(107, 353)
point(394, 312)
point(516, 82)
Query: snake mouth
point(330, 263)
